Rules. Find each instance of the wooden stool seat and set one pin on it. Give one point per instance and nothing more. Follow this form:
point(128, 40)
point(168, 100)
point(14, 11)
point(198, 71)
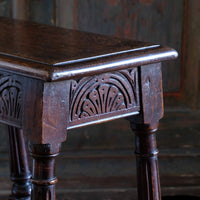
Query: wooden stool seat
point(54, 79)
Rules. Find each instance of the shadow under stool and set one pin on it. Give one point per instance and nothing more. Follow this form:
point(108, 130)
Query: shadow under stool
point(53, 80)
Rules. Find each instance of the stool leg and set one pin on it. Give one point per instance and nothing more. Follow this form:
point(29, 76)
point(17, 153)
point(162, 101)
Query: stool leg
point(147, 164)
point(43, 175)
point(19, 167)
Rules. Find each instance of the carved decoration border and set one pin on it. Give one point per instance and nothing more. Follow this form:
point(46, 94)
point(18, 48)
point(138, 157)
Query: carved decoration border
point(10, 99)
point(104, 95)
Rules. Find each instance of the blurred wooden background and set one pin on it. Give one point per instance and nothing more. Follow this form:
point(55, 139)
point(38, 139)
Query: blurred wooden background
point(98, 162)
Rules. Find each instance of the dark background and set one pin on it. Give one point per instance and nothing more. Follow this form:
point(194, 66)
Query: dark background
point(98, 161)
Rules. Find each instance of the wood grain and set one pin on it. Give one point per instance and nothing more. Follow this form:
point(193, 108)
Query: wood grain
point(103, 98)
point(110, 1)
point(20, 9)
point(19, 167)
point(37, 46)
point(42, 11)
point(192, 62)
point(6, 8)
point(137, 20)
point(40, 43)
point(145, 125)
point(43, 175)
point(65, 13)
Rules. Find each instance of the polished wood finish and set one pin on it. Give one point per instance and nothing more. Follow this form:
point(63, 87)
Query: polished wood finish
point(137, 20)
point(19, 167)
point(145, 126)
point(115, 92)
point(147, 163)
point(43, 178)
point(49, 86)
point(61, 59)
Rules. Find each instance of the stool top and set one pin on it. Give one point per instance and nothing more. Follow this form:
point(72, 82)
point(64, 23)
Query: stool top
point(51, 53)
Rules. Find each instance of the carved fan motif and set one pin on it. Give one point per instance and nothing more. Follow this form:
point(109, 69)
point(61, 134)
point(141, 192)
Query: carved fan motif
point(103, 99)
point(106, 93)
point(10, 98)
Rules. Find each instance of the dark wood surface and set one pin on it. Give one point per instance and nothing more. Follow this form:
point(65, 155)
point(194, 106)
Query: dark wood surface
point(112, 173)
point(112, 83)
point(137, 20)
point(106, 168)
point(185, 136)
point(145, 126)
point(6, 8)
point(191, 77)
point(35, 11)
point(52, 45)
point(136, 23)
point(19, 166)
point(59, 55)
point(108, 17)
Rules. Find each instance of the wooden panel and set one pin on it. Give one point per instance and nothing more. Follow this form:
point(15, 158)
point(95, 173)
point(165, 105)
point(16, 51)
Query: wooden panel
point(104, 97)
point(6, 11)
point(192, 60)
point(20, 10)
point(6, 8)
point(11, 98)
point(64, 13)
point(42, 11)
point(157, 21)
point(178, 137)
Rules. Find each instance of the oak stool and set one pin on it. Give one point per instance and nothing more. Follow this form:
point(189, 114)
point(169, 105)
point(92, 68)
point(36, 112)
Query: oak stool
point(53, 80)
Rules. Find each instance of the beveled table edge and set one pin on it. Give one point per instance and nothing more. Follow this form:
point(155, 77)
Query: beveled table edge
point(113, 63)
point(97, 65)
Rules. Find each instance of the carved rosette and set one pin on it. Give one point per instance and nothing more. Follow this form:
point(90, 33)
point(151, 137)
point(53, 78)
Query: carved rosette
point(10, 99)
point(105, 94)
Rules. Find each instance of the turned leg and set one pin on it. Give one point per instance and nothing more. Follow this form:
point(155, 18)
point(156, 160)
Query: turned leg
point(19, 167)
point(145, 125)
point(147, 163)
point(43, 175)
